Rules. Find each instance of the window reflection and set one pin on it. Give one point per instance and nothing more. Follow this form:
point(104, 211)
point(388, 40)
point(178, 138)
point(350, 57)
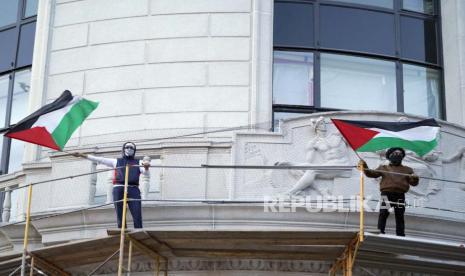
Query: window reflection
point(7, 49)
point(357, 83)
point(358, 30)
point(20, 95)
point(293, 24)
point(16, 155)
point(31, 8)
point(423, 6)
point(4, 82)
point(421, 91)
point(293, 78)
point(26, 44)
point(418, 39)
point(378, 3)
point(8, 12)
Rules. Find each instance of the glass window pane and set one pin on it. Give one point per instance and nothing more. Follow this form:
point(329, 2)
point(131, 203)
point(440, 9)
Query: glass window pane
point(357, 83)
point(357, 30)
point(418, 39)
point(16, 155)
point(293, 78)
point(422, 91)
point(378, 3)
point(21, 89)
point(423, 6)
point(293, 24)
point(4, 82)
point(7, 48)
point(1, 153)
point(285, 115)
point(26, 44)
point(8, 12)
point(31, 8)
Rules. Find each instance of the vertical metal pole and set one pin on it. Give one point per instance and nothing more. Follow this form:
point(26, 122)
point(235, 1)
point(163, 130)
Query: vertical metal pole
point(129, 258)
point(26, 231)
point(362, 196)
point(123, 223)
point(158, 266)
point(31, 273)
point(349, 260)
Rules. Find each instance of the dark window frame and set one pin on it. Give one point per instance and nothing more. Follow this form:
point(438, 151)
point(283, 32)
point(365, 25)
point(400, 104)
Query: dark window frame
point(21, 20)
point(316, 49)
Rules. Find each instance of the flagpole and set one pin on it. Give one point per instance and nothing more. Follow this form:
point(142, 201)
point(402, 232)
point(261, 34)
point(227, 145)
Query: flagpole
point(26, 231)
point(362, 209)
point(123, 223)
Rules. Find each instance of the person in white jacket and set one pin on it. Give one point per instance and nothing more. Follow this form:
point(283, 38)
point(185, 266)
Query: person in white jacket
point(137, 167)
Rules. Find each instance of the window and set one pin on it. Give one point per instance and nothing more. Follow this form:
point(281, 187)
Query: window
point(422, 6)
point(349, 82)
point(31, 8)
point(418, 38)
point(379, 3)
point(422, 91)
point(26, 44)
point(347, 28)
point(17, 32)
point(7, 49)
point(293, 78)
point(4, 83)
point(8, 12)
point(357, 55)
point(20, 95)
point(293, 24)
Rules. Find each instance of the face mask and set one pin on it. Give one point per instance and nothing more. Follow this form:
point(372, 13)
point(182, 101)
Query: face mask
point(128, 151)
point(396, 159)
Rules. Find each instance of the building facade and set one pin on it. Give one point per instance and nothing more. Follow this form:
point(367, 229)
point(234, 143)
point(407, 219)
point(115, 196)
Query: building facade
point(220, 82)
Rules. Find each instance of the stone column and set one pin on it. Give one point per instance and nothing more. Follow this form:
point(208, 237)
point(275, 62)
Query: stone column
point(6, 205)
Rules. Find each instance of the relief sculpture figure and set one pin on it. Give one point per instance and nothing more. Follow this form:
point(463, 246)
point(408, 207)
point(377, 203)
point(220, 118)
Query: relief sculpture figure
point(322, 149)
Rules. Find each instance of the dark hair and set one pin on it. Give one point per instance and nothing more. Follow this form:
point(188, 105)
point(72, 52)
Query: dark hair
point(391, 150)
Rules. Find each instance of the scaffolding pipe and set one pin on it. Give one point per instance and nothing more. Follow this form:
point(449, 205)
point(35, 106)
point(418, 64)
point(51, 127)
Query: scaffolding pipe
point(26, 231)
point(129, 258)
point(123, 223)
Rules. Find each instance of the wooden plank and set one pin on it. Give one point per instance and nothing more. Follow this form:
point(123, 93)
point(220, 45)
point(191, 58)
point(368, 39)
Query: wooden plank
point(145, 249)
point(195, 253)
point(175, 242)
point(49, 267)
point(162, 235)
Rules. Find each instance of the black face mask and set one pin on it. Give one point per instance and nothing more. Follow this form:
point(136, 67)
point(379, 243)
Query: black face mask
point(395, 160)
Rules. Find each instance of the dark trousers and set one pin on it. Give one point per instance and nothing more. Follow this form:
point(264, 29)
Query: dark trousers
point(134, 206)
point(396, 200)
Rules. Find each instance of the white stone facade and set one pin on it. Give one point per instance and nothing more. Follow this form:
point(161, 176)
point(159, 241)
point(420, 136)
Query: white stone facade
point(163, 68)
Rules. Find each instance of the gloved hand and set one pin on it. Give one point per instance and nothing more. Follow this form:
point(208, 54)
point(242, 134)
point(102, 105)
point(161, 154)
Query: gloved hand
point(413, 179)
point(362, 164)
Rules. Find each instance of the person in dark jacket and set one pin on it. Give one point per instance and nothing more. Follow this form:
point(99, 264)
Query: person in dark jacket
point(393, 187)
point(128, 157)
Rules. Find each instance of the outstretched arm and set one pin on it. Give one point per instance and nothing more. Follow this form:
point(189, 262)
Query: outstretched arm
point(109, 162)
point(368, 172)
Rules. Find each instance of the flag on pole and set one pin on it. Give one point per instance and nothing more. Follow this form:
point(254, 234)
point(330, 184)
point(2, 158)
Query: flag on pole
point(369, 136)
point(53, 124)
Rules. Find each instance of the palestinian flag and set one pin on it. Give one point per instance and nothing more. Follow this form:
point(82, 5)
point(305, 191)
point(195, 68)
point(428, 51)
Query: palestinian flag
point(53, 124)
point(369, 136)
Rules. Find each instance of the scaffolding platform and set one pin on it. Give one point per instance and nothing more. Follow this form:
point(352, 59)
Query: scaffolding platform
point(404, 253)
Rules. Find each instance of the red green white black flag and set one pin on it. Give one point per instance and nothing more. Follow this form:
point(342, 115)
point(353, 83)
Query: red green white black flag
point(53, 124)
point(368, 136)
